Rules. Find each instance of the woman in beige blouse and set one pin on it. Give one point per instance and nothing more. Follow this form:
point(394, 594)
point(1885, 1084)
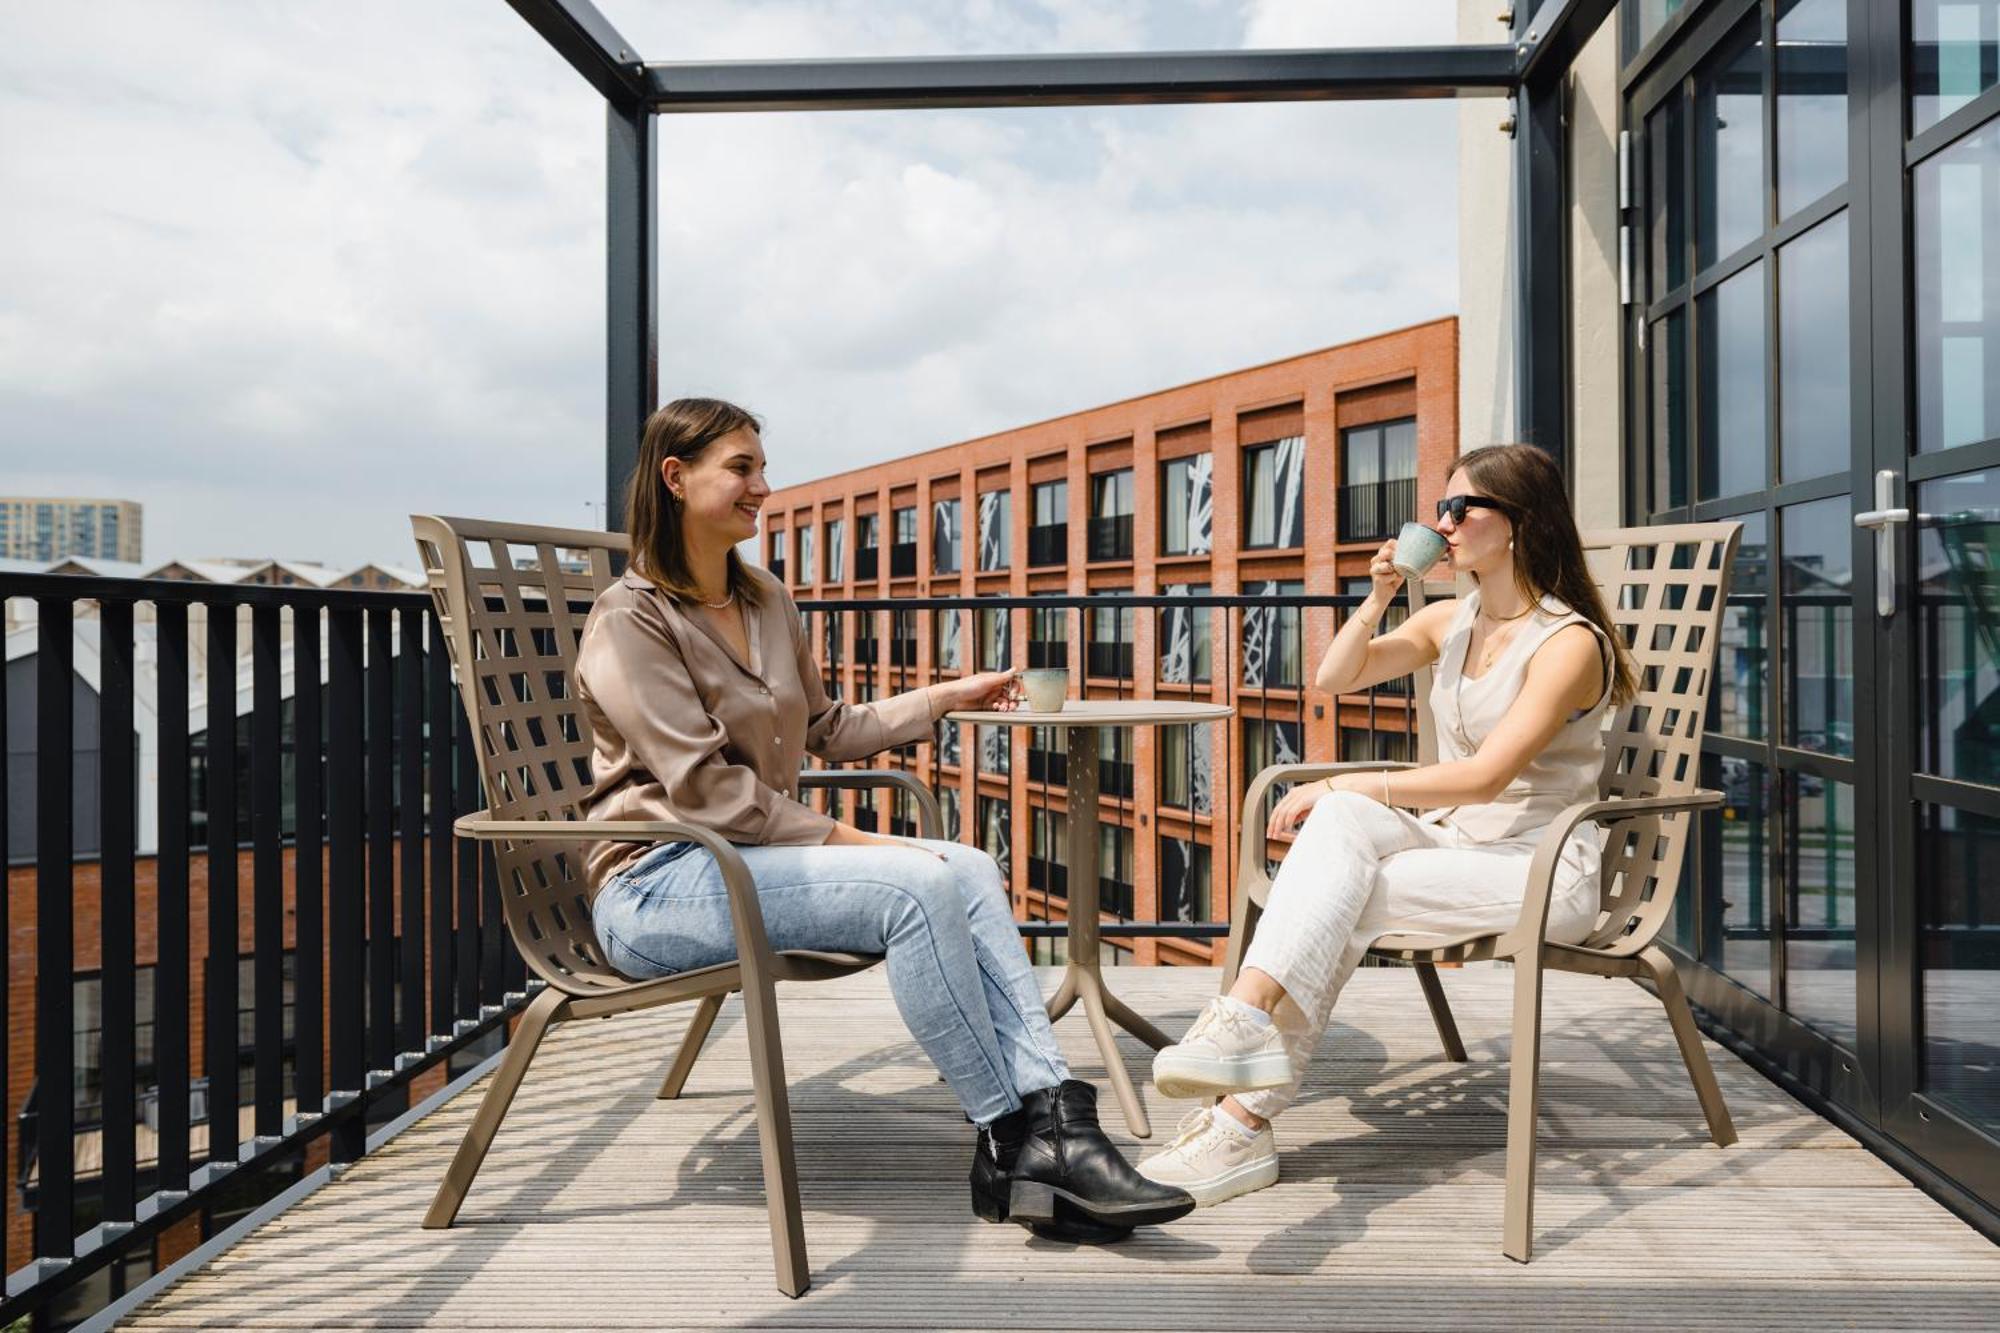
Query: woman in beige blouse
point(1526, 666)
point(703, 698)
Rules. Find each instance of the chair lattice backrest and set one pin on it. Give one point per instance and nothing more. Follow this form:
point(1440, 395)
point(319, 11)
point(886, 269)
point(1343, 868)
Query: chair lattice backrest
point(511, 601)
point(1665, 588)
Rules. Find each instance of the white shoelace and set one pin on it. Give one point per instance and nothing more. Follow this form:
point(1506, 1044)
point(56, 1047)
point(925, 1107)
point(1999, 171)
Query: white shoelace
point(1221, 1015)
point(1194, 1126)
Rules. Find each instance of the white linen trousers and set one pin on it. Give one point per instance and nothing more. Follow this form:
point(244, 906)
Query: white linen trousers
point(1358, 870)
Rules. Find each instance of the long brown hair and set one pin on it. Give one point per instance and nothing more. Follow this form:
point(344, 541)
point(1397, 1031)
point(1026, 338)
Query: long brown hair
point(1548, 552)
point(682, 429)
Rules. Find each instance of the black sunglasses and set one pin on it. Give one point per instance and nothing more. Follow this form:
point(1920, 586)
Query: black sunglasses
point(1456, 505)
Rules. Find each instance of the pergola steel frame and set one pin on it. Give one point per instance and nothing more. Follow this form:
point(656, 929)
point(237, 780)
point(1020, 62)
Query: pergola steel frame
point(1529, 69)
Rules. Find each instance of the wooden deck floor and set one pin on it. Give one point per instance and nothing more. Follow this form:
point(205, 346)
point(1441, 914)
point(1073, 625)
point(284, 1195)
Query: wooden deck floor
point(603, 1208)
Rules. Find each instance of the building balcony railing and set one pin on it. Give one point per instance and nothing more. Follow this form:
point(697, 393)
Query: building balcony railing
point(1049, 877)
point(903, 560)
point(1115, 897)
point(1049, 766)
point(1376, 510)
point(1110, 538)
point(867, 564)
point(1108, 661)
point(381, 762)
point(1046, 653)
point(777, 568)
point(1048, 544)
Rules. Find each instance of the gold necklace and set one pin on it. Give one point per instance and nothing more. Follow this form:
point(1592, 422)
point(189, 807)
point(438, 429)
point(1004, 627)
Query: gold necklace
point(1495, 641)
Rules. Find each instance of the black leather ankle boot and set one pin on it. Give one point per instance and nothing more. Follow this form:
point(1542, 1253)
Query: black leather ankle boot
point(996, 1149)
point(1066, 1165)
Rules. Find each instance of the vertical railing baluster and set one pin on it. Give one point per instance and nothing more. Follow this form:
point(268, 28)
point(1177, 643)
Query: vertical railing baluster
point(465, 931)
point(170, 979)
point(346, 881)
point(492, 930)
point(220, 810)
point(440, 706)
point(380, 682)
point(55, 901)
point(308, 882)
point(117, 846)
point(267, 880)
point(410, 822)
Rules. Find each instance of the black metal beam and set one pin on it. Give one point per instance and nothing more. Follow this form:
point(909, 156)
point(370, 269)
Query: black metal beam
point(1541, 335)
point(1555, 33)
point(585, 38)
point(1129, 79)
point(632, 299)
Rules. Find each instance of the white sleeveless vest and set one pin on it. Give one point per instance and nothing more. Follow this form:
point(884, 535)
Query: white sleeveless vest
point(1465, 712)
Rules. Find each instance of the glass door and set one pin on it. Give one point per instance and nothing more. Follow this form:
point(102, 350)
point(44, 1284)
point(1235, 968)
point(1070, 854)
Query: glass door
point(1941, 539)
point(1748, 375)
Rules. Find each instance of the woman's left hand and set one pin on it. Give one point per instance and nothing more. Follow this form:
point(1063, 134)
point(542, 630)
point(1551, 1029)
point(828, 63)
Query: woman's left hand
point(992, 691)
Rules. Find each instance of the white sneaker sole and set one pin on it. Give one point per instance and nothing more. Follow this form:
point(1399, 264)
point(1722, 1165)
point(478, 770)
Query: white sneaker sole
point(1253, 1175)
point(1182, 1077)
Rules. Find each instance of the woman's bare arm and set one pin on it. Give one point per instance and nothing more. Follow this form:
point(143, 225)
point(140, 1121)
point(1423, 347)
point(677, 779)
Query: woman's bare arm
point(1358, 657)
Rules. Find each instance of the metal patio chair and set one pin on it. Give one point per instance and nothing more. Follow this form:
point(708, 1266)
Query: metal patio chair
point(1665, 587)
point(511, 602)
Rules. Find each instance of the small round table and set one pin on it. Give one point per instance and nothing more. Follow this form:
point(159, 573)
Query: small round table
point(1082, 979)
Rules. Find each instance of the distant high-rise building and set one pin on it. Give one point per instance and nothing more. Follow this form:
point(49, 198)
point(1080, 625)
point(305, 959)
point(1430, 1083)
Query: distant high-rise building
point(58, 527)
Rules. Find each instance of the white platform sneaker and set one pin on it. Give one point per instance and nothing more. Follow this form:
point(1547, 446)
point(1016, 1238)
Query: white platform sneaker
point(1213, 1162)
point(1223, 1052)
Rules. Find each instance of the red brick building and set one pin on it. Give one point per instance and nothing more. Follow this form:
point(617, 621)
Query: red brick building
point(1276, 479)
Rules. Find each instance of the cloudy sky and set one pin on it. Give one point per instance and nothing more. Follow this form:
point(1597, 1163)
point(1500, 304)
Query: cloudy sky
point(287, 271)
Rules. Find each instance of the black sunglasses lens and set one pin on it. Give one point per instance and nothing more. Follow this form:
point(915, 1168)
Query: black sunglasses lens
point(1453, 505)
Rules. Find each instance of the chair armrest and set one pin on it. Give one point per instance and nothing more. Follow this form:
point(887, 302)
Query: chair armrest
point(753, 946)
point(1531, 926)
point(863, 779)
point(1250, 874)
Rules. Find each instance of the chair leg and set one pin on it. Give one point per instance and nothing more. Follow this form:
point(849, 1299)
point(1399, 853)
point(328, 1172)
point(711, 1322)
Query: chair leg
point(1523, 1104)
point(542, 1012)
point(1427, 977)
point(1242, 925)
point(774, 1136)
point(697, 1033)
point(1693, 1054)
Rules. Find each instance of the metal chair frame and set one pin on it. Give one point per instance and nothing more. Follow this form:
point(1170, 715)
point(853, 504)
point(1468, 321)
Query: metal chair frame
point(511, 601)
point(1666, 589)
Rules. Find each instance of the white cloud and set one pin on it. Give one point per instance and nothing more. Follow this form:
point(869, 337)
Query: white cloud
point(285, 273)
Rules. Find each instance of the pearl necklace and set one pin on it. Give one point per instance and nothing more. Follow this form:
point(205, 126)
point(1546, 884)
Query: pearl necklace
point(721, 605)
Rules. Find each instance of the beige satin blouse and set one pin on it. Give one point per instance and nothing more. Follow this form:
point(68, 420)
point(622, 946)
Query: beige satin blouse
point(686, 730)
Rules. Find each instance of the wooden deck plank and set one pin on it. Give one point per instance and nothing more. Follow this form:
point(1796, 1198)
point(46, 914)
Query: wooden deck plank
point(602, 1207)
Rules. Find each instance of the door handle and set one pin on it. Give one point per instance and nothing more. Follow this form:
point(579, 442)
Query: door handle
point(1883, 519)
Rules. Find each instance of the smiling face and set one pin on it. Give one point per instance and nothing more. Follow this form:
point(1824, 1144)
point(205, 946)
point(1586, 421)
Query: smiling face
point(721, 489)
point(1480, 544)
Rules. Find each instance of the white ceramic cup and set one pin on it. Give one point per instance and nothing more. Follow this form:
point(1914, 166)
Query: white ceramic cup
point(1418, 547)
point(1046, 687)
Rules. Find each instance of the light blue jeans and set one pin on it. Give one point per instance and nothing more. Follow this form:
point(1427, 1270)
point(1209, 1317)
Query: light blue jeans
point(956, 967)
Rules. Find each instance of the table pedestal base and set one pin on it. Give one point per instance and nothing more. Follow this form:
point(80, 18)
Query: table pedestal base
point(1084, 982)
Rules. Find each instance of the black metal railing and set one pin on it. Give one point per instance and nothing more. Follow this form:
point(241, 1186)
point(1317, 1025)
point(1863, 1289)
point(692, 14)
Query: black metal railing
point(309, 834)
point(1375, 510)
point(867, 564)
point(1108, 661)
point(903, 560)
point(1110, 537)
point(1048, 544)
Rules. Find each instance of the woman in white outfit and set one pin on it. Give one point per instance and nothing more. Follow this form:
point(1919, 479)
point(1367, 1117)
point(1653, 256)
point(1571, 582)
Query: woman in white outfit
point(1526, 667)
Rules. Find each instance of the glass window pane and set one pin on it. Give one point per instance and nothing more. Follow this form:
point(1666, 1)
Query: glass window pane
point(1814, 406)
point(1666, 224)
point(1670, 437)
point(995, 520)
point(1812, 100)
point(1958, 628)
point(1735, 870)
point(1743, 656)
point(1957, 260)
point(1733, 440)
point(1819, 906)
point(1399, 450)
point(1644, 18)
point(1816, 604)
point(1729, 146)
point(1954, 56)
point(1958, 888)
